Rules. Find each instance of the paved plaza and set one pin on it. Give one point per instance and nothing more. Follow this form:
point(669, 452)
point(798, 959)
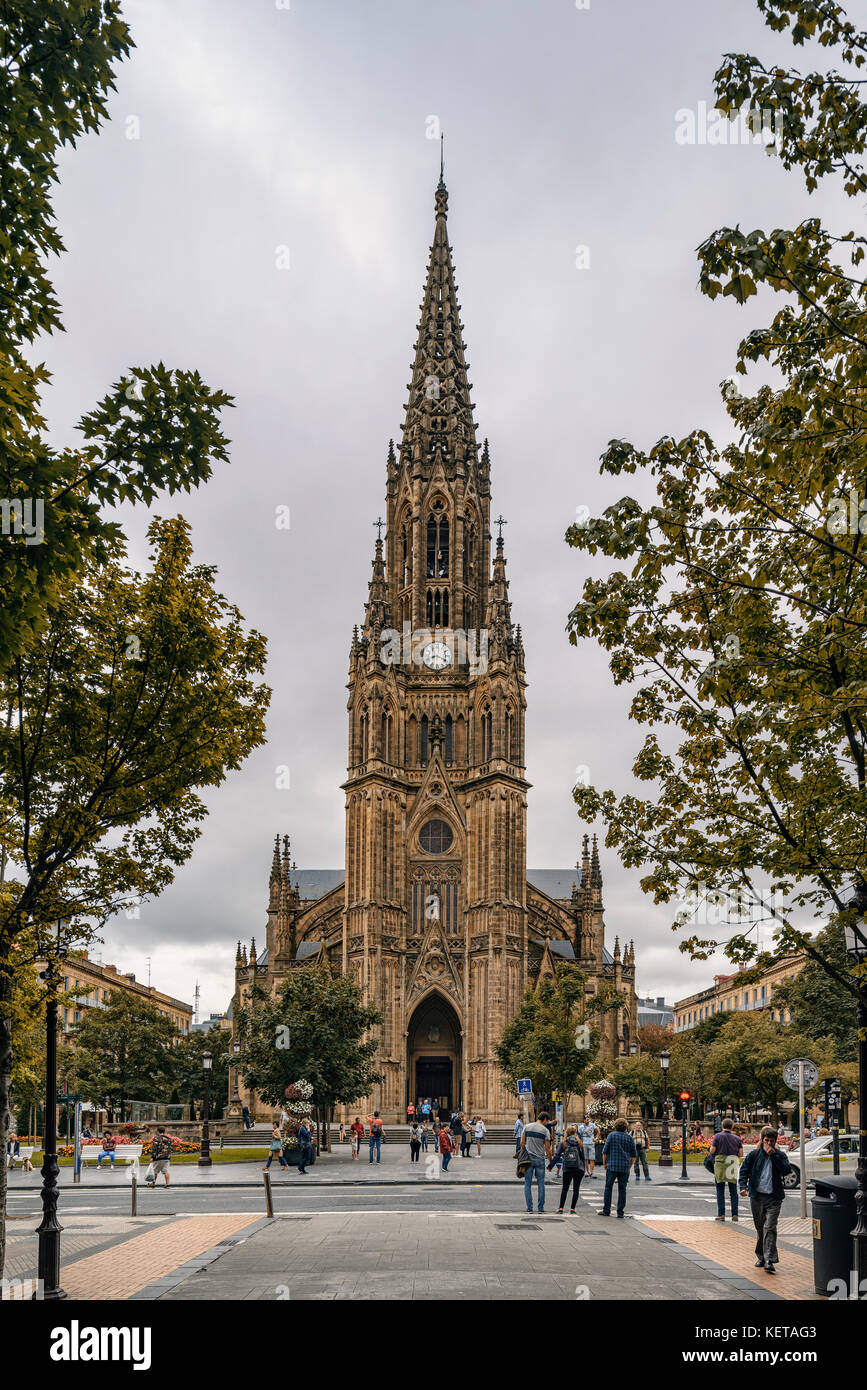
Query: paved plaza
point(395, 1230)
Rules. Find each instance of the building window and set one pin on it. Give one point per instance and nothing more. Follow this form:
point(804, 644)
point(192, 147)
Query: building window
point(422, 741)
point(450, 740)
point(436, 837)
point(438, 543)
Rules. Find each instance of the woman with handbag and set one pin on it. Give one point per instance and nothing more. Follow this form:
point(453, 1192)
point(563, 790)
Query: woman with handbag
point(275, 1148)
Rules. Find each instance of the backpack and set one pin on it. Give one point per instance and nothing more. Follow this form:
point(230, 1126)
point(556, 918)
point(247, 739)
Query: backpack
point(572, 1160)
point(376, 1130)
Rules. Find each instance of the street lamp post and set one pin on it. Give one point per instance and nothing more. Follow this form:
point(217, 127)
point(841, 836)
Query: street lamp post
point(856, 950)
point(49, 1228)
point(665, 1140)
point(205, 1155)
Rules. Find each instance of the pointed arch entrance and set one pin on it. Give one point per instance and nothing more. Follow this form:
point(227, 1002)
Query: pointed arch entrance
point(433, 1054)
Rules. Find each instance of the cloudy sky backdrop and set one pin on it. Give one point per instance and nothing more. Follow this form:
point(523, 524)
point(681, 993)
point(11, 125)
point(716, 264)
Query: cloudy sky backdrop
point(240, 127)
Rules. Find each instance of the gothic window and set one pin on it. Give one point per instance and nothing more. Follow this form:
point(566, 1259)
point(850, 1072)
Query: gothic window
point(487, 734)
point(435, 837)
point(429, 608)
point(470, 614)
point(363, 734)
point(422, 741)
point(450, 740)
point(438, 543)
point(510, 723)
point(385, 742)
point(445, 607)
point(471, 553)
point(406, 557)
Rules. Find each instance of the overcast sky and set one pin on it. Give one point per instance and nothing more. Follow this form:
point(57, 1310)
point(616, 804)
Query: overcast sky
point(242, 127)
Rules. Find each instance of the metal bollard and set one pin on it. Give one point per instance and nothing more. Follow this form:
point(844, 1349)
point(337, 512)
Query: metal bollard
point(133, 1189)
point(269, 1199)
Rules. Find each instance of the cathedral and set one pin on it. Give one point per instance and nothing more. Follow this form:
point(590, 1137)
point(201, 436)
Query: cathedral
point(435, 913)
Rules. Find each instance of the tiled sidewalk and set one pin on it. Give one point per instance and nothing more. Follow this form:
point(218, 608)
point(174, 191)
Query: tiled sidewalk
point(733, 1247)
point(130, 1265)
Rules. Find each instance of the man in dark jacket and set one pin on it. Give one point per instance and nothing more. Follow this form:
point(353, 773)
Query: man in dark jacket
point(761, 1176)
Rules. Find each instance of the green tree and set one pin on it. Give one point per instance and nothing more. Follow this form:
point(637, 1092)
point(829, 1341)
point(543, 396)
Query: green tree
point(740, 618)
point(745, 1062)
point(156, 428)
point(140, 690)
point(540, 1040)
point(188, 1073)
point(327, 1044)
point(815, 998)
point(122, 1052)
point(640, 1078)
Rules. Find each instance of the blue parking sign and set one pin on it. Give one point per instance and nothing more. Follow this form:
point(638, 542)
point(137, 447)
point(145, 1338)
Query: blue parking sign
point(525, 1087)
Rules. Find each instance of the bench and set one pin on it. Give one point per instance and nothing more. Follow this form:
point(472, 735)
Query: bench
point(23, 1156)
point(129, 1153)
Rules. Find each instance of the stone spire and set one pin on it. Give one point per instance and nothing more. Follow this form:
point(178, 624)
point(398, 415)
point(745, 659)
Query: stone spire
point(376, 609)
point(438, 424)
point(253, 951)
point(274, 880)
point(585, 862)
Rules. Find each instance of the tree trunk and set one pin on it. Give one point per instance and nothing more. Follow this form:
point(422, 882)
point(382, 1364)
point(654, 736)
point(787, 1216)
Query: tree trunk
point(6, 1057)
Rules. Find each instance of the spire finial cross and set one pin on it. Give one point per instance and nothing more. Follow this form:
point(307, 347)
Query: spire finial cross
point(500, 522)
point(442, 154)
point(379, 523)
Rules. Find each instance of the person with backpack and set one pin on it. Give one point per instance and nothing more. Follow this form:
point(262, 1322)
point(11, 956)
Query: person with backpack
point(727, 1152)
point(570, 1153)
point(424, 1134)
point(376, 1134)
point(161, 1156)
point(414, 1143)
point(275, 1148)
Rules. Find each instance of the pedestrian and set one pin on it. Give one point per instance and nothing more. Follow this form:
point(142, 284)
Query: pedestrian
point(341, 1133)
point(245, 1111)
point(536, 1146)
point(109, 1144)
point(424, 1134)
point(618, 1156)
point(761, 1178)
point(376, 1133)
point(725, 1150)
point(588, 1133)
point(642, 1144)
point(414, 1143)
point(275, 1147)
point(436, 1132)
point(446, 1147)
point(410, 1113)
point(425, 1110)
point(161, 1156)
point(781, 1132)
point(519, 1130)
point(479, 1134)
point(305, 1146)
point(570, 1153)
point(356, 1129)
point(466, 1132)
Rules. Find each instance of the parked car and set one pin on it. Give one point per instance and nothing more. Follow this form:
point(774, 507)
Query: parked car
point(819, 1156)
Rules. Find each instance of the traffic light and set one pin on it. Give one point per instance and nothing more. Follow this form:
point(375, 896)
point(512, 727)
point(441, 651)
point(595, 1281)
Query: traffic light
point(685, 1095)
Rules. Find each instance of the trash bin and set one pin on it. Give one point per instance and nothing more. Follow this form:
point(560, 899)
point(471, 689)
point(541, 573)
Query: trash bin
point(833, 1220)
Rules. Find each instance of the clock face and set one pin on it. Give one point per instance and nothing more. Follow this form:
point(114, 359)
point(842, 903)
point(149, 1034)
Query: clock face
point(437, 656)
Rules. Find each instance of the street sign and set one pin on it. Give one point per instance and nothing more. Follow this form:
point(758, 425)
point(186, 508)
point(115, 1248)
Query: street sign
point(790, 1073)
point(525, 1086)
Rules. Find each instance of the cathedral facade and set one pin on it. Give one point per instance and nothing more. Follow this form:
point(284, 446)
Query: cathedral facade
point(435, 913)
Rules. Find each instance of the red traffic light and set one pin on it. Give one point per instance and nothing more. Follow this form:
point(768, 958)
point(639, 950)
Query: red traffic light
point(684, 1095)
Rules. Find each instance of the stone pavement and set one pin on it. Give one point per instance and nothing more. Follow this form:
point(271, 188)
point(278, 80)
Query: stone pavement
point(733, 1246)
point(130, 1259)
point(447, 1255)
